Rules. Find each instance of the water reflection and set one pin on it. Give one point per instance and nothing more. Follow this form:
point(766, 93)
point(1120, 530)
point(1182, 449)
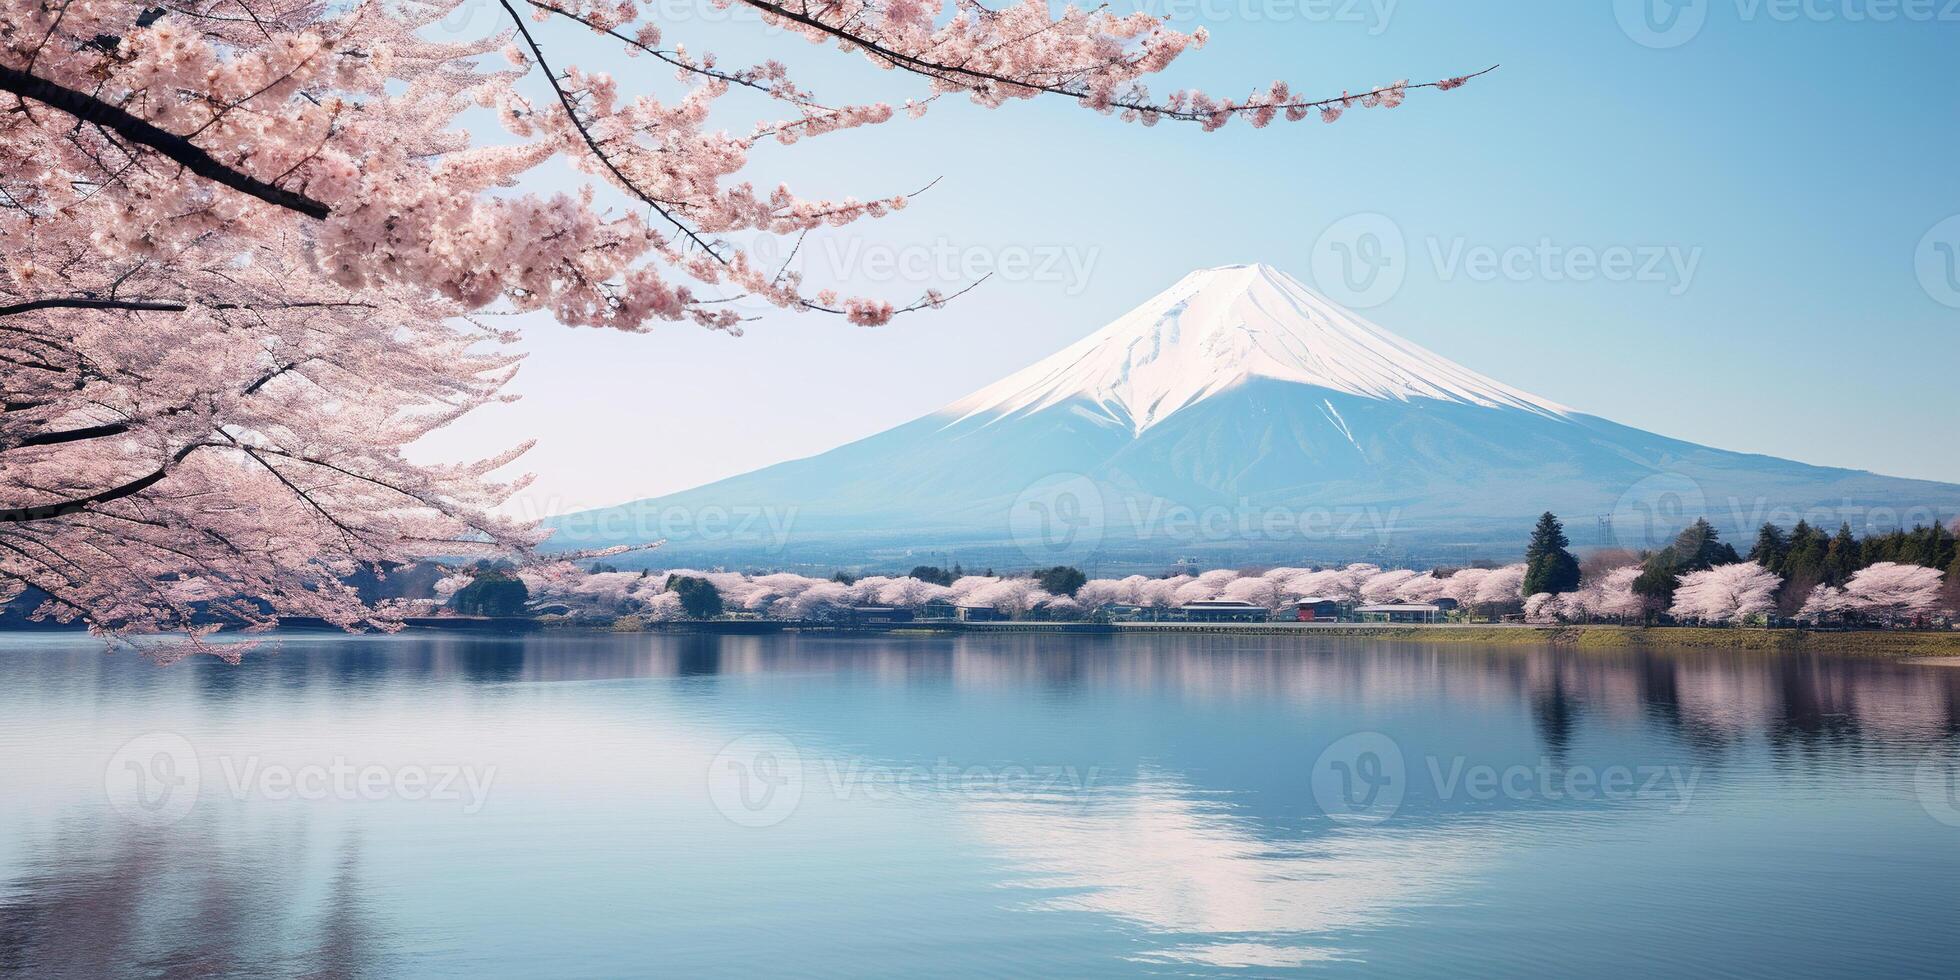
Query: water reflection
point(98, 898)
point(1158, 854)
point(1198, 845)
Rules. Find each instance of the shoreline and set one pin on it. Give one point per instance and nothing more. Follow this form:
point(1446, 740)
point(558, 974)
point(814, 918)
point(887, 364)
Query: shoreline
point(1931, 647)
point(1872, 643)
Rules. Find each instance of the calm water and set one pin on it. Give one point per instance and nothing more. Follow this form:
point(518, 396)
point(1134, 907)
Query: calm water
point(1039, 806)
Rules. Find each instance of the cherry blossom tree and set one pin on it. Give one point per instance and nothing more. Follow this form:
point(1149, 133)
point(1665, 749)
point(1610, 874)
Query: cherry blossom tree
point(820, 599)
point(1099, 592)
point(248, 254)
point(1888, 592)
point(1386, 586)
point(911, 593)
point(1500, 587)
point(1424, 588)
point(1463, 585)
point(1607, 595)
point(1011, 596)
point(1726, 593)
point(1824, 602)
point(1258, 590)
point(1541, 607)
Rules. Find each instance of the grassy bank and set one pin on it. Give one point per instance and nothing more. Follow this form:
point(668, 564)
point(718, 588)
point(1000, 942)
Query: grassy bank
point(1871, 643)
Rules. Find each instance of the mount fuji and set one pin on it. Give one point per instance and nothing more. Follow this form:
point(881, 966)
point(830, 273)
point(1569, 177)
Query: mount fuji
point(1241, 414)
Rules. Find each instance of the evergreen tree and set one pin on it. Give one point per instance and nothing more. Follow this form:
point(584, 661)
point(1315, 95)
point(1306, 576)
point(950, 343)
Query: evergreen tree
point(1805, 559)
point(1939, 550)
point(491, 593)
point(1060, 580)
point(1843, 558)
point(1771, 548)
point(1548, 566)
point(934, 574)
point(1699, 546)
point(699, 597)
point(1657, 580)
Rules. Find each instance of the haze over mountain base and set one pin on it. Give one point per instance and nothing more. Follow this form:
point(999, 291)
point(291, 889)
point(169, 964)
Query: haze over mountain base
point(1239, 416)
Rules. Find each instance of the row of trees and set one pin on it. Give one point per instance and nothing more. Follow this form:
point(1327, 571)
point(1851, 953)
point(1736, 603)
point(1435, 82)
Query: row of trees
point(1061, 592)
point(1884, 579)
point(1697, 578)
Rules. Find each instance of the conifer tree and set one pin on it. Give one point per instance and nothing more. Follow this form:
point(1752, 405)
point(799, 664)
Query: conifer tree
point(1843, 557)
point(1548, 566)
point(1771, 547)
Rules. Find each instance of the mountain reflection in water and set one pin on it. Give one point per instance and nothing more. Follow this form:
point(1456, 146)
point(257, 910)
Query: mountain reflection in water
point(979, 805)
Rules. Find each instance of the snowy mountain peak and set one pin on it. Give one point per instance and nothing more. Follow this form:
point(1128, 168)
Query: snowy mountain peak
point(1217, 328)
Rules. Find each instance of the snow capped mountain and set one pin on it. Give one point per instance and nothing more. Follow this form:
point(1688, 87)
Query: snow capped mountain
point(1217, 328)
point(1241, 415)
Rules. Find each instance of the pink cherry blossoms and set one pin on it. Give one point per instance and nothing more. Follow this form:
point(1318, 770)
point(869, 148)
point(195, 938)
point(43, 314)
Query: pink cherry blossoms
point(249, 256)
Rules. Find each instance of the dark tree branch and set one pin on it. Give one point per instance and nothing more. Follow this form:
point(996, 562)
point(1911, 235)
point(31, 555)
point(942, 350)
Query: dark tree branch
point(46, 512)
point(158, 306)
point(88, 108)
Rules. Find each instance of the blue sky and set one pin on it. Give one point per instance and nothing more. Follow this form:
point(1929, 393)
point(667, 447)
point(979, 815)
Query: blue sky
point(1797, 157)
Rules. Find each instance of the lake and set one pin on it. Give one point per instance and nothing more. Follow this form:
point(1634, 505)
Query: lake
point(804, 805)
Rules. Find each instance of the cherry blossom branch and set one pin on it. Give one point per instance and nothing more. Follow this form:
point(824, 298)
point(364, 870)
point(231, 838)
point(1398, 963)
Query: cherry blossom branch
point(88, 108)
point(1192, 109)
point(571, 110)
point(743, 79)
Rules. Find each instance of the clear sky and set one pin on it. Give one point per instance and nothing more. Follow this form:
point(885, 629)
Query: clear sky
point(1750, 196)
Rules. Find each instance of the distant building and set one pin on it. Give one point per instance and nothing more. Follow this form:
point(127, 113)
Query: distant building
point(1400, 612)
point(1319, 609)
point(980, 614)
point(1223, 611)
point(939, 609)
point(877, 615)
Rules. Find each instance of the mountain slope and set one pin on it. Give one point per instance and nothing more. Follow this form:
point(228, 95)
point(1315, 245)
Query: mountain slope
point(1240, 412)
